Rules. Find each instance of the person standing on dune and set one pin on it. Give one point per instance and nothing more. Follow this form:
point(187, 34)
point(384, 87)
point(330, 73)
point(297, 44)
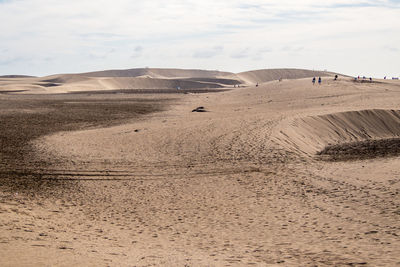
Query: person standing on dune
point(319, 80)
point(313, 80)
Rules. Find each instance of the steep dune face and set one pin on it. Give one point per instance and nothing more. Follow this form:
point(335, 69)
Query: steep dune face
point(312, 135)
point(266, 75)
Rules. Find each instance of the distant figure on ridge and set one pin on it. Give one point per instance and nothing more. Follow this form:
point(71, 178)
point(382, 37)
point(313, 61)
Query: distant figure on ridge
point(319, 80)
point(313, 80)
point(336, 76)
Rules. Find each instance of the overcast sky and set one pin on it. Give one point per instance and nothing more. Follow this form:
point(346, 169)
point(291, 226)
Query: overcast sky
point(42, 37)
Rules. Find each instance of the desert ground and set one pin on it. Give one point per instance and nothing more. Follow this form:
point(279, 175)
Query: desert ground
point(163, 167)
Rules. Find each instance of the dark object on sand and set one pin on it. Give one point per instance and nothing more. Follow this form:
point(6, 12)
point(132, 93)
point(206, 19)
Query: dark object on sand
point(199, 109)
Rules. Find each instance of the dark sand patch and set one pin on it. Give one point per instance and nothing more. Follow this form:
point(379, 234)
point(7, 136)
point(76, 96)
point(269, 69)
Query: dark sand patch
point(19, 168)
point(16, 76)
point(362, 150)
point(153, 91)
point(48, 84)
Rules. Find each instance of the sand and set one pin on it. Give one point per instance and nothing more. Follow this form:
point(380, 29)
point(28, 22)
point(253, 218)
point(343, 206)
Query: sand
point(246, 183)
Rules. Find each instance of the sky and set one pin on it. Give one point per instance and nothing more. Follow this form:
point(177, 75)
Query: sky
point(44, 37)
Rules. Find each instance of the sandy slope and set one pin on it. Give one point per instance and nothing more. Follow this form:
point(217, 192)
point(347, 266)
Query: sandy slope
point(313, 133)
point(238, 185)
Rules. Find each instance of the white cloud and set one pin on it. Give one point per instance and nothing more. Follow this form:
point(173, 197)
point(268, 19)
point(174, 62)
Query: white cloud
point(208, 52)
point(224, 34)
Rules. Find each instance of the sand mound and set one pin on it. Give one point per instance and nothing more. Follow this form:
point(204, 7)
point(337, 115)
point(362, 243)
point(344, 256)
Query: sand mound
point(48, 84)
point(135, 79)
point(158, 73)
point(353, 134)
point(123, 83)
point(19, 84)
point(153, 83)
point(63, 78)
point(149, 78)
point(266, 75)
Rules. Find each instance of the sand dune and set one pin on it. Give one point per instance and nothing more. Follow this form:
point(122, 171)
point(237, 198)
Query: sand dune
point(148, 78)
point(154, 83)
point(20, 84)
point(158, 73)
point(64, 78)
point(88, 84)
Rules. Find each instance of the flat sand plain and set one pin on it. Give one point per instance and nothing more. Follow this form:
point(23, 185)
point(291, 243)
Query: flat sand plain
point(283, 174)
